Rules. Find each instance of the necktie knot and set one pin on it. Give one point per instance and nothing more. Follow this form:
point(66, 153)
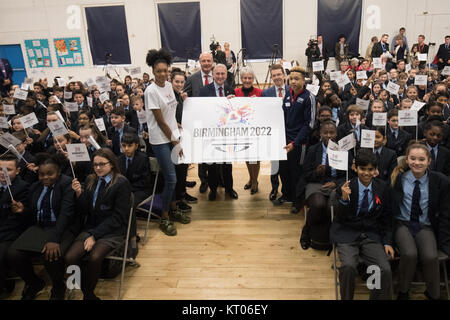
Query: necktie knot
point(417, 183)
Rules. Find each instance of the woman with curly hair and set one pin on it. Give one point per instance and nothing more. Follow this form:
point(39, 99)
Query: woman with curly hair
point(160, 99)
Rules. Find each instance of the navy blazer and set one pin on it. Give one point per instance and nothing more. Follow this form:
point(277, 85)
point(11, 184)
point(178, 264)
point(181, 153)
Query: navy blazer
point(377, 224)
point(438, 206)
point(388, 162)
point(210, 90)
point(271, 92)
point(13, 224)
point(138, 173)
point(194, 84)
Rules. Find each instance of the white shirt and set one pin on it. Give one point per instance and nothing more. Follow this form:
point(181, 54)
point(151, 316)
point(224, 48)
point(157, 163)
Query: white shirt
point(283, 90)
point(210, 77)
point(164, 99)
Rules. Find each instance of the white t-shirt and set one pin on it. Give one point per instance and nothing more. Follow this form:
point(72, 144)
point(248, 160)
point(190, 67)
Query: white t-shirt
point(164, 99)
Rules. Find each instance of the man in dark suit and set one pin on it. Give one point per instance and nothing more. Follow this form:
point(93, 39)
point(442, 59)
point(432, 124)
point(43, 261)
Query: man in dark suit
point(443, 54)
point(380, 47)
point(6, 73)
point(192, 87)
point(362, 227)
point(219, 89)
point(278, 90)
point(422, 48)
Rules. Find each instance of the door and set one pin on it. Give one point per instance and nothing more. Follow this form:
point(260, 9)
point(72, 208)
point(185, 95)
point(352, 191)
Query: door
point(13, 52)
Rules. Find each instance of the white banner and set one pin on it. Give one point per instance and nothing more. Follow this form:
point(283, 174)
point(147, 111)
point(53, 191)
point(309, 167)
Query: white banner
point(29, 120)
point(338, 159)
point(318, 66)
point(347, 143)
point(420, 80)
point(407, 118)
point(379, 119)
point(361, 75)
point(368, 139)
point(77, 152)
point(238, 129)
point(57, 128)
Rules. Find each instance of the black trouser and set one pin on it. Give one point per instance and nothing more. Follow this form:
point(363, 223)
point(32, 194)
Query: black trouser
point(139, 196)
point(3, 262)
point(180, 188)
point(21, 262)
point(203, 172)
point(214, 176)
point(318, 214)
point(290, 172)
point(91, 268)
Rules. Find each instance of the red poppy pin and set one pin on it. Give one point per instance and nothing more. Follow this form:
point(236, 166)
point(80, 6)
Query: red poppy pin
point(377, 200)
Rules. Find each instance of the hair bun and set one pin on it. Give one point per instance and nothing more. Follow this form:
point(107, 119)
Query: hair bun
point(155, 56)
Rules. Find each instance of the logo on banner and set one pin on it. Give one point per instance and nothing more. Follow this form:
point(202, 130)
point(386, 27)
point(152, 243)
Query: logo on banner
point(235, 115)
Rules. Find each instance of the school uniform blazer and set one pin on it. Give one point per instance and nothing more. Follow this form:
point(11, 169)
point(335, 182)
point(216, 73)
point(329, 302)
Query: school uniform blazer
point(110, 215)
point(377, 49)
point(443, 161)
point(377, 224)
point(138, 173)
point(13, 224)
point(126, 129)
point(27, 175)
point(107, 122)
point(272, 92)
point(210, 90)
point(400, 144)
point(312, 161)
point(63, 204)
point(388, 162)
point(438, 206)
point(193, 84)
point(344, 130)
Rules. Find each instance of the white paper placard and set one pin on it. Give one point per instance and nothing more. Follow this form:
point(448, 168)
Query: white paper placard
point(71, 106)
point(379, 119)
point(417, 105)
point(343, 81)
point(347, 143)
point(377, 63)
point(89, 101)
point(361, 75)
point(20, 94)
point(407, 68)
point(4, 123)
point(29, 120)
point(338, 159)
point(423, 57)
point(135, 71)
point(14, 151)
point(57, 128)
point(100, 124)
point(68, 95)
point(59, 115)
point(407, 118)
point(25, 86)
point(368, 139)
point(9, 109)
point(142, 116)
point(287, 65)
point(364, 104)
point(94, 143)
point(313, 89)
point(335, 75)
point(421, 80)
point(61, 82)
point(103, 97)
point(7, 138)
point(392, 88)
point(332, 145)
point(77, 152)
point(191, 63)
point(318, 66)
point(446, 71)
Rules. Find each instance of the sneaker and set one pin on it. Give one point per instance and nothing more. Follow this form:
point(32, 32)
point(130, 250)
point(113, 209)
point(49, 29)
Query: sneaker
point(190, 199)
point(179, 216)
point(184, 207)
point(31, 292)
point(168, 227)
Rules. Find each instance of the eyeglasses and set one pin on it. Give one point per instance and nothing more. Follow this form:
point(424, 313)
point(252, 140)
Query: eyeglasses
point(100, 164)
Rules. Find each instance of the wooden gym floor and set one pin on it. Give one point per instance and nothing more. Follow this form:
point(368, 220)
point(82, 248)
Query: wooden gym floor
point(232, 249)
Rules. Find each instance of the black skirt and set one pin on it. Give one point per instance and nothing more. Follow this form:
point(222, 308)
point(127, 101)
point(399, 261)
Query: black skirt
point(34, 238)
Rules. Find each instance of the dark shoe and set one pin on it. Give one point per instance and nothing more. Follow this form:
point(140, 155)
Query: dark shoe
point(305, 243)
point(294, 209)
point(203, 187)
point(58, 294)
point(253, 191)
point(190, 199)
point(273, 195)
point(233, 194)
point(212, 195)
point(281, 200)
point(31, 292)
point(179, 216)
point(183, 207)
point(190, 184)
point(247, 186)
point(133, 252)
point(168, 227)
point(403, 296)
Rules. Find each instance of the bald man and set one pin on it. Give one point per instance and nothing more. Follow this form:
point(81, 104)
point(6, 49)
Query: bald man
point(192, 87)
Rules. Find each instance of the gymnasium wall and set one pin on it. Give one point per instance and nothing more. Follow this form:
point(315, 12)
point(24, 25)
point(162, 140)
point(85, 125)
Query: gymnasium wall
point(36, 19)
